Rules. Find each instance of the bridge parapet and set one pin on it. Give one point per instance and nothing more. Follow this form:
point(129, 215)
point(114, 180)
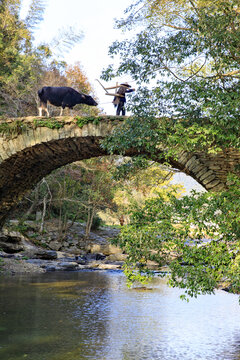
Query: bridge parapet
point(32, 131)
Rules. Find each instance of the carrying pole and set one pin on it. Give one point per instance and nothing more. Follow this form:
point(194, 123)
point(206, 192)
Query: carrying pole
point(102, 85)
point(106, 89)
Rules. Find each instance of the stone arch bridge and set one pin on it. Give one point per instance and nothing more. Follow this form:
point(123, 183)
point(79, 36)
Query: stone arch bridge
point(29, 150)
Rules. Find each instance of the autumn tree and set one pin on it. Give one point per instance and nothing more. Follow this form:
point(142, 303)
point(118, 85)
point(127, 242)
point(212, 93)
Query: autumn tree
point(77, 79)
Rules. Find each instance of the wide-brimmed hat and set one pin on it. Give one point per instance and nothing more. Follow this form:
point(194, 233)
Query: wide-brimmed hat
point(125, 84)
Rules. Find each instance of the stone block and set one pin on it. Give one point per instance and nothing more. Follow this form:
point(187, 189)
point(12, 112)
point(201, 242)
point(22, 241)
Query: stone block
point(104, 128)
point(205, 175)
point(183, 158)
point(54, 134)
point(209, 179)
point(201, 172)
point(212, 184)
point(198, 168)
point(85, 131)
point(62, 133)
point(4, 155)
point(6, 149)
point(190, 162)
point(76, 131)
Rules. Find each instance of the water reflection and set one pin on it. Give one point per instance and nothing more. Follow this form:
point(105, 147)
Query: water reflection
point(93, 315)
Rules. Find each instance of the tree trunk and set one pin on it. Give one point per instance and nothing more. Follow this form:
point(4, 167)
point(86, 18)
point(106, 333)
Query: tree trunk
point(43, 213)
point(89, 221)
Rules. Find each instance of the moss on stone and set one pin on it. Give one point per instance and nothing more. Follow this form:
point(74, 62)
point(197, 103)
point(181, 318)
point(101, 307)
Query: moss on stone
point(19, 126)
point(50, 123)
point(83, 120)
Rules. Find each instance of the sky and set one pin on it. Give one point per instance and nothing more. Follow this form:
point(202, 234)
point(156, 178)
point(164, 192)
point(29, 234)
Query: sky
point(96, 18)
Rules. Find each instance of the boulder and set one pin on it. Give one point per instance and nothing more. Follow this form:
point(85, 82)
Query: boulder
point(54, 245)
point(81, 260)
point(114, 249)
point(6, 255)
point(106, 249)
point(117, 257)
point(11, 243)
point(50, 268)
point(152, 265)
point(100, 256)
point(110, 266)
point(46, 254)
point(68, 266)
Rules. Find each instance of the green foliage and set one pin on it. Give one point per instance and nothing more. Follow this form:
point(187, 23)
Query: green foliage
point(13, 37)
point(81, 121)
point(50, 123)
point(189, 53)
point(19, 62)
point(185, 57)
point(197, 236)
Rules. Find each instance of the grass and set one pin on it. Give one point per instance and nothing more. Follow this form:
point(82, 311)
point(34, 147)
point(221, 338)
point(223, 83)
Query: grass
point(12, 129)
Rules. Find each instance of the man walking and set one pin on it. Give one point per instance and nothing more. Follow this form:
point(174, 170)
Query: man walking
point(120, 99)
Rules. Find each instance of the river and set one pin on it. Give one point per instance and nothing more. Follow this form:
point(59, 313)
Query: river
point(93, 315)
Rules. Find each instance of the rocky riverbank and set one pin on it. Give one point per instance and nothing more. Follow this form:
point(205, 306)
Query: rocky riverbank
point(31, 252)
point(53, 261)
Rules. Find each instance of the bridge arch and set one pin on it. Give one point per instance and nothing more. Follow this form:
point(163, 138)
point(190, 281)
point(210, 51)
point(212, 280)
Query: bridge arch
point(32, 154)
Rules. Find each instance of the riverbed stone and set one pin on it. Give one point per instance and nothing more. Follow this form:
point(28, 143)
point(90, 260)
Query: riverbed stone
point(46, 254)
point(10, 243)
point(68, 266)
point(117, 257)
point(152, 265)
point(106, 249)
point(54, 245)
point(115, 266)
point(50, 268)
point(100, 256)
point(46, 250)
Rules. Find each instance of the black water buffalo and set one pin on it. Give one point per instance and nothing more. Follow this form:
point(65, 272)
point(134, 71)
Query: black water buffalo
point(62, 96)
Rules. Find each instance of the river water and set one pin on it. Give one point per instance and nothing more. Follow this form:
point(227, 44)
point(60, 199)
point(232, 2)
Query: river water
point(93, 315)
